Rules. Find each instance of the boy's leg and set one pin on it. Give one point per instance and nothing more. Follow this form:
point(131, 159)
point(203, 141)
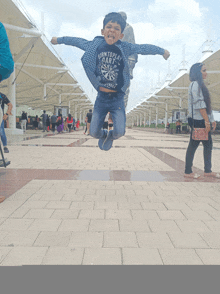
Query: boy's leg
point(119, 121)
point(117, 109)
point(98, 117)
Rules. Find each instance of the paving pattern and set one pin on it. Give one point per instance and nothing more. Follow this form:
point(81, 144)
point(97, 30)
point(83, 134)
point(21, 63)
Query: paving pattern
point(68, 202)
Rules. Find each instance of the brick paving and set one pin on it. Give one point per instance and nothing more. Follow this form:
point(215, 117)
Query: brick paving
point(68, 202)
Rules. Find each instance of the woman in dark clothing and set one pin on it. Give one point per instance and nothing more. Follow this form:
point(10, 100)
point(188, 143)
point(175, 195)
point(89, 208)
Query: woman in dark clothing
point(36, 122)
point(200, 116)
point(48, 123)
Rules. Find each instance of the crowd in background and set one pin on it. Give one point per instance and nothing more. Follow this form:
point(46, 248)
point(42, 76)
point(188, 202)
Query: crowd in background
point(48, 123)
point(58, 123)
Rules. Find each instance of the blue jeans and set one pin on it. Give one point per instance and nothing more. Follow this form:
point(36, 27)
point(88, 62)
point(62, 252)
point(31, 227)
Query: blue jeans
point(113, 103)
point(2, 133)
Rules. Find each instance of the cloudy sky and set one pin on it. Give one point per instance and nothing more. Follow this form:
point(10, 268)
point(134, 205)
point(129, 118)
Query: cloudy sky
point(170, 24)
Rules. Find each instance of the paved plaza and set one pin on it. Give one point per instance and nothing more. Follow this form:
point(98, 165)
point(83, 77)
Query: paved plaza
point(68, 202)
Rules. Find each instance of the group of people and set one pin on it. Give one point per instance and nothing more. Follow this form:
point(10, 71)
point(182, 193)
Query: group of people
point(52, 122)
point(59, 123)
point(106, 63)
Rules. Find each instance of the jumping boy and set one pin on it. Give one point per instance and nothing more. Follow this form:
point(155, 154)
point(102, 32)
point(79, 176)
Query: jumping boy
point(105, 62)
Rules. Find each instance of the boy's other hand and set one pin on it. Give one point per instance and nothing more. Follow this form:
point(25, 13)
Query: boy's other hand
point(54, 41)
point(166, 54)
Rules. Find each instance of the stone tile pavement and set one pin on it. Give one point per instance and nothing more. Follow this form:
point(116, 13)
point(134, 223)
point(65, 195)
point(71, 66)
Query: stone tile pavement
point(68, 202)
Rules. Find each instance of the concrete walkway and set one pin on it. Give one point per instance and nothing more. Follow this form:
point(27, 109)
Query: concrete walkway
point(68, 202)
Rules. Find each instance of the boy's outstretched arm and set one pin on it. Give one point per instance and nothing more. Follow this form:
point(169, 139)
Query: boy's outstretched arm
point(145, 49)
point(72, 41)
point(166, 54)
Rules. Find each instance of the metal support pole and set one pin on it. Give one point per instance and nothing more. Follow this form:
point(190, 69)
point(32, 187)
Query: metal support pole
point(76, 112)
point(166, 115)
point(12, 98)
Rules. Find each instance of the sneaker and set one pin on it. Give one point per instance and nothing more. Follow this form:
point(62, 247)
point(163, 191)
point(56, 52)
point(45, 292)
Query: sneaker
point(6, 150)
point(105, 143)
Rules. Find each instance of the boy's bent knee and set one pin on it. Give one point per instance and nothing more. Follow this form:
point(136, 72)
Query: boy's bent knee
point(94, 134)
point(118, 135)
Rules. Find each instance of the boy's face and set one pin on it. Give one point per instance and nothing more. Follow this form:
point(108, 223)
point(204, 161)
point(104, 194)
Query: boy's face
point(112, 32)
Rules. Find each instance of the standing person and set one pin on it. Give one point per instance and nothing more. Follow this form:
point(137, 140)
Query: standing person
point(74, 122)
point(77, 124)
point(89, 119)
point(105, 124)
point(178, 127)
point(132, 59)
point(86, 120)
point(48, 123)
point(202, 117)
point(36, 122)
point(167, 128)
point(69, 122)
point(4, 101)
point(24, 121)
point(60, 123)
point(6, 60)
point(106, 64)
point(53, 122)
point(44, 120)
point(110, 122)
point(65, 126)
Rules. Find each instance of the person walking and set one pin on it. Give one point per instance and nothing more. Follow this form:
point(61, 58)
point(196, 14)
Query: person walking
point(105, 124)
point(77, 124)
point(23, 121)
point(60, 124)
point(44, 120)
point(53, 120)
point(48, 123)
point(133, 58)
point(200, 116)
point(74, 124)
point(89, 119)
point(69, 122)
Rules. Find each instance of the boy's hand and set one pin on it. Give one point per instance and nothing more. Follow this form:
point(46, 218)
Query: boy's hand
point(166, 54)
point(54, 41)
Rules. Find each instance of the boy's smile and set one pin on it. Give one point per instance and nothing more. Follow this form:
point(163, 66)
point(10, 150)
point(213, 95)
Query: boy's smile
point(112, 33)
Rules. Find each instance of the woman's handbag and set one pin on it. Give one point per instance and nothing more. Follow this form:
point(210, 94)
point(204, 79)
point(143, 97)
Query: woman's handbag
point(198, 134)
